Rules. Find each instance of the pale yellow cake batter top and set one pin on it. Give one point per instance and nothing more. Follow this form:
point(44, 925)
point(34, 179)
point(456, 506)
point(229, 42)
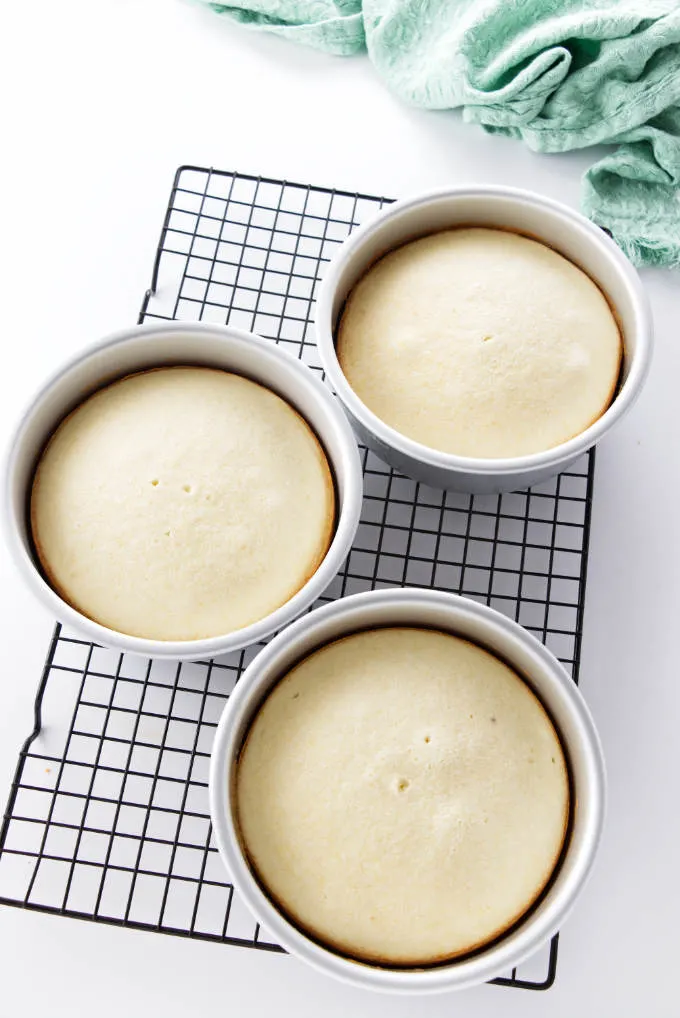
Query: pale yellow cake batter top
point(480, 342)
point(403, 795)
point(181, 503)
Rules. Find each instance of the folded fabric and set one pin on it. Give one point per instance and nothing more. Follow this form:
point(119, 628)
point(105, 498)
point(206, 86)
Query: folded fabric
point(558, 74)
point(336, 26)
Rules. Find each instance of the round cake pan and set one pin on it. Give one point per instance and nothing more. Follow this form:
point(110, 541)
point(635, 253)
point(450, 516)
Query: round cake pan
point(523, 212)
point(560, 697)
point(148, 346)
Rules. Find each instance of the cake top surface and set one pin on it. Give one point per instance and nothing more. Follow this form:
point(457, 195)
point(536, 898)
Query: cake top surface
point(403, 795)
point(181, 503)
point(480, 342)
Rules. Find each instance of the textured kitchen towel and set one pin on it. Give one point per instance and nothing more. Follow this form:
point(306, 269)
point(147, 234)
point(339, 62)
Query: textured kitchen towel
point(559, 74)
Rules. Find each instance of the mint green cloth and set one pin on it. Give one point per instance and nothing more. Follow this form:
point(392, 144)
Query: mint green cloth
point(559, 74)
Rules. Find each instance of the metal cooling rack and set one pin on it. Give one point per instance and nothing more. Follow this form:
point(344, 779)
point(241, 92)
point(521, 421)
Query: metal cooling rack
point(108, 818)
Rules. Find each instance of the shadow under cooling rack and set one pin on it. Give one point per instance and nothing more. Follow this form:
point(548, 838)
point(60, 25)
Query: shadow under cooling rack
point(108, 817)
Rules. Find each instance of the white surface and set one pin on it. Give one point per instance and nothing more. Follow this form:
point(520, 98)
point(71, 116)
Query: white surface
point(102, 102)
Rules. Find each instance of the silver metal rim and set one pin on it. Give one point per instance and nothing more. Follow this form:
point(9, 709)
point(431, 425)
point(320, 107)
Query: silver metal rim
point(386, 435)
point(464, 973)
point(348, 518)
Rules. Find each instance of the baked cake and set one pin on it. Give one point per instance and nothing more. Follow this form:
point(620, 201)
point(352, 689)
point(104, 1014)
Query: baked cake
point(181, 503)
point(403, 795)
point(480, 342)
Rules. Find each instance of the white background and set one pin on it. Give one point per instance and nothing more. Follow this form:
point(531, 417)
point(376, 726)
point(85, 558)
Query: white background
point(102, 100)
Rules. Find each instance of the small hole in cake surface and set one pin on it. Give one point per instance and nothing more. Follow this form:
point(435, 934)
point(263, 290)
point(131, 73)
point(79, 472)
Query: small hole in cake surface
point(167, 533)
point(427, 738)
point(486, 339)
point(155, 482)
point(295, 696)
point(403, 785)
point(187, 488)
point(493, 719)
